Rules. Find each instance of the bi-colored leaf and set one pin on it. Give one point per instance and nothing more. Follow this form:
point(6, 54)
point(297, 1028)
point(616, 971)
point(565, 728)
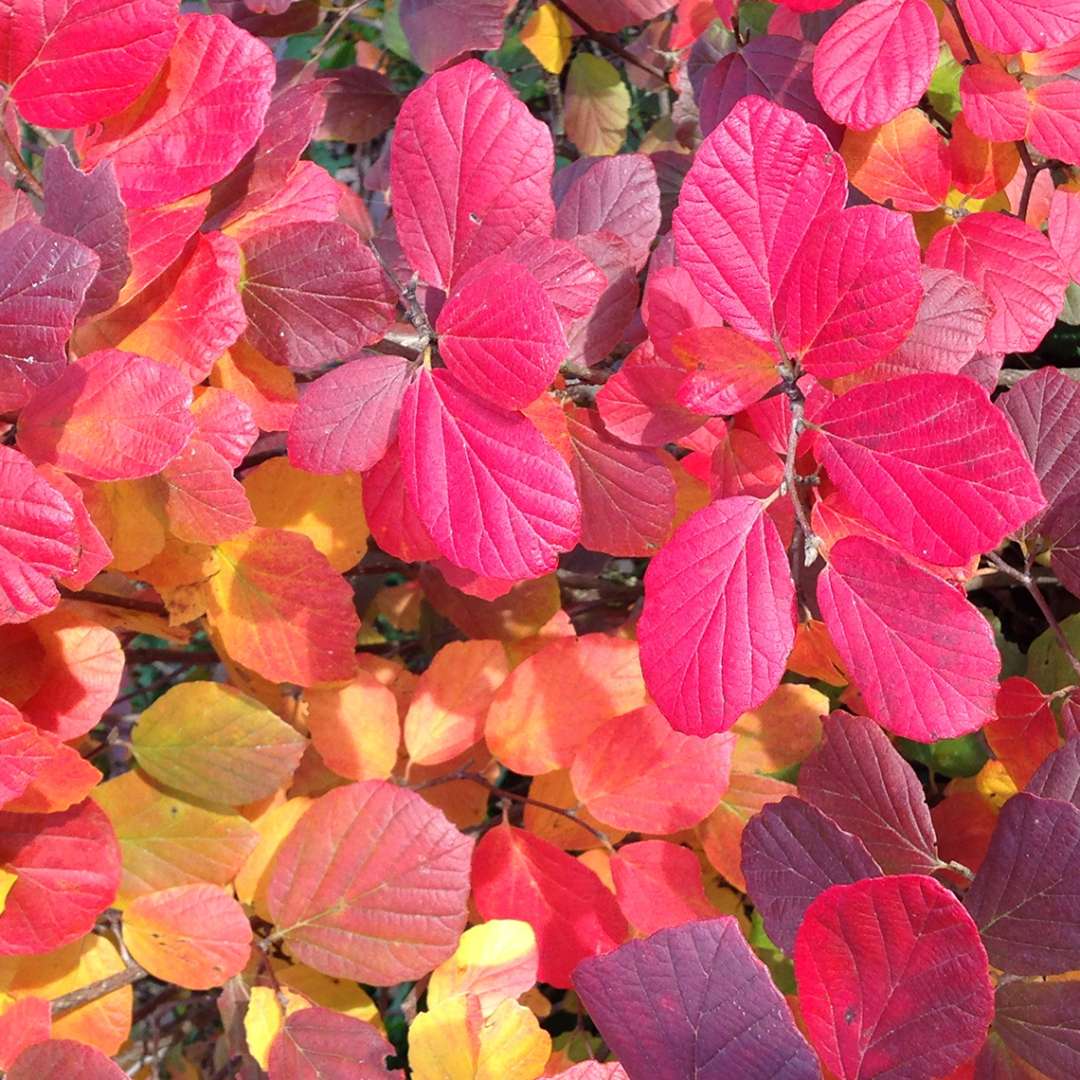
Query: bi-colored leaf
point(519, 510)
point(892, 977)
point(64, 1057)
point(203, 114)
point(499, 334)
point(928, 461)
point(79, 61)
point(658, 884)
point(466, 145)
point(320, 1044)
point(253, 878)
point(210, 741)
point(24, 752)
point(111, 415)
point(204, 502)
point(1024, 897)
point(348, 418)
point(196, 936)
point(636, 773)
point(727, 371)
point(1010, 26)
point(555, 699)
point(792, 852)
point(719, 617)
point(516, 875)
point(67, 869)
point(875, 61)
point(694, 1000)
point(46, 278)
point(860, 780)
point(371, 885)
point(597, 105)
point(282, 610)
point(922, 656)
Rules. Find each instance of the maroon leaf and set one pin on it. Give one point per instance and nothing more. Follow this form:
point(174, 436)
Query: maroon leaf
point(571, 280)
point(346, 303)
point(1024, 896)
point(438, 31)
point(320, 1044)
point(694, 1000)
point(1040, 1022)
point(360, 104)
point(1058, 777)
point(593, 338)
point(892, 979)
point(790, 853)
point(858, 778)
point(348, 418)
point(43, 281)
point(1061, 529)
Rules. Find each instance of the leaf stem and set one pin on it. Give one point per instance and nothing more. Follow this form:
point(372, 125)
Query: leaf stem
point(610, 42)
point(954, 10)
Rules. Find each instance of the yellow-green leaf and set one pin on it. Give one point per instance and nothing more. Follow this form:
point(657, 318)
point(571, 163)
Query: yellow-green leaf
point(597, 106)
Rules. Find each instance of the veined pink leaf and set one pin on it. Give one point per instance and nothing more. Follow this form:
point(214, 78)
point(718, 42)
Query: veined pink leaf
point(627, 493)
point(758, 185)
point(875, 61)
point(672, 305)
point(110, 416)
point(922, 656)
point(204, 502)
point(658, 884)
point(1064, 228)
point(79, 61)
point(348, 418)
point(859, 779)
point(465, 144)
point(995, 104)
point(39, 543)
point(928, 461)
point(499, 334)
point(892, 978)
point(45, 280)
point(1014, 266)
point(1012, 26)
point(496, 498)
point(719, 617)
point(439, 31)
point(694, 1000)
point(202, 115)
point(791, 852)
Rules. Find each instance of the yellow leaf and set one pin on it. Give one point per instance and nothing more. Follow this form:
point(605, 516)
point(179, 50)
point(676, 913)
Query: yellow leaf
point(597, 106)
point(994, 783)
point(781, 731)
point(454, 1042)
point(262, 1022)
point(130, 514)
point(341, 995)
point(548, 35)
point(494, 962)
point(328, 510)
point(274, 826)
point(7, 881)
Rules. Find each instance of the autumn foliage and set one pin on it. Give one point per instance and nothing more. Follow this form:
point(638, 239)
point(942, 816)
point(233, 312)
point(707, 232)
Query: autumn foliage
point(540, 539)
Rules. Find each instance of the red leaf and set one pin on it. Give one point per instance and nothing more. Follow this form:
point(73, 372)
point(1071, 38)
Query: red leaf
point(40, 540)
point(64, 1057)
point(110, 416)
point(658, 884)
point(627, 493)
point(202, 115)
point(928, 461)
point(78, 61)
point(67, 869)
point(719, 617)
point(995, 104)
point(516, 875)
point(1014, 266)
point(728, 371)
point(347, 301)
point(573, 283)
point(466, 124)
point(24, 752)
point(671, 305)
point(25, 1022)
point(1011, 26)
point(518, 510)
point(45, 279)
point(360, 104)
point(224, 423)
point(389, 514)
point(1024, 895)
point(158, 237)
point(694, 1000)
point(348, 418)
point(923, 658)
point(1024, 732)
point(371, 885)
point(791, 853)
point(88, 208)
point(859, 779)
point(204, 502)
point(892, 977)
point(875, 61)
point(499, 334)
point(439, 31)
point(1064, 229)
point(321, 1044)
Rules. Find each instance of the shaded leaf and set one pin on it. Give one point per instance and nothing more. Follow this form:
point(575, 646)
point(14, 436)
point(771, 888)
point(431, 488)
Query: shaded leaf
point(1038, 1022)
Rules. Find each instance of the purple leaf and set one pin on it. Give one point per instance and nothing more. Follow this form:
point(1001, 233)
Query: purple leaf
point(440, 30)
point(791, 852)
point(694, 1001)
point(1058, 777)
point(1024, 898)
point(1040, 1022)
point(857, 777)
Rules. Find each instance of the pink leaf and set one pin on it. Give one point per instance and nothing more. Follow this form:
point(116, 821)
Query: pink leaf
point(499, 334)
point(321, 1044)
point(922, 656)
point(438, 31)
point(892, 979)
point(658, 884)
point(496, 498)
point(573, 283)
point(1064, 228)
point(78, 61)
point(728, 371)
point(1055, 119)
point(348, 418)
point(204, 502)
point(719, 617)
point(995, 104)
point(389, 514)
point(464, 144)
point(672, 305)
point(1012, 26)
point(1014, 266)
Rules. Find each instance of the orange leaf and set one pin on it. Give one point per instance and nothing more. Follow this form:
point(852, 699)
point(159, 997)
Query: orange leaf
point(555, 789)
point(781, 731)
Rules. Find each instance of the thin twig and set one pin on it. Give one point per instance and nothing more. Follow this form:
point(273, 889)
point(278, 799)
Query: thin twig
point(85, 994)
point(13, 152)
point(610, 42)
point(127, 603)
point(1031, 173)
point(324, 44)
point(965, 37)
point(413, 308)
